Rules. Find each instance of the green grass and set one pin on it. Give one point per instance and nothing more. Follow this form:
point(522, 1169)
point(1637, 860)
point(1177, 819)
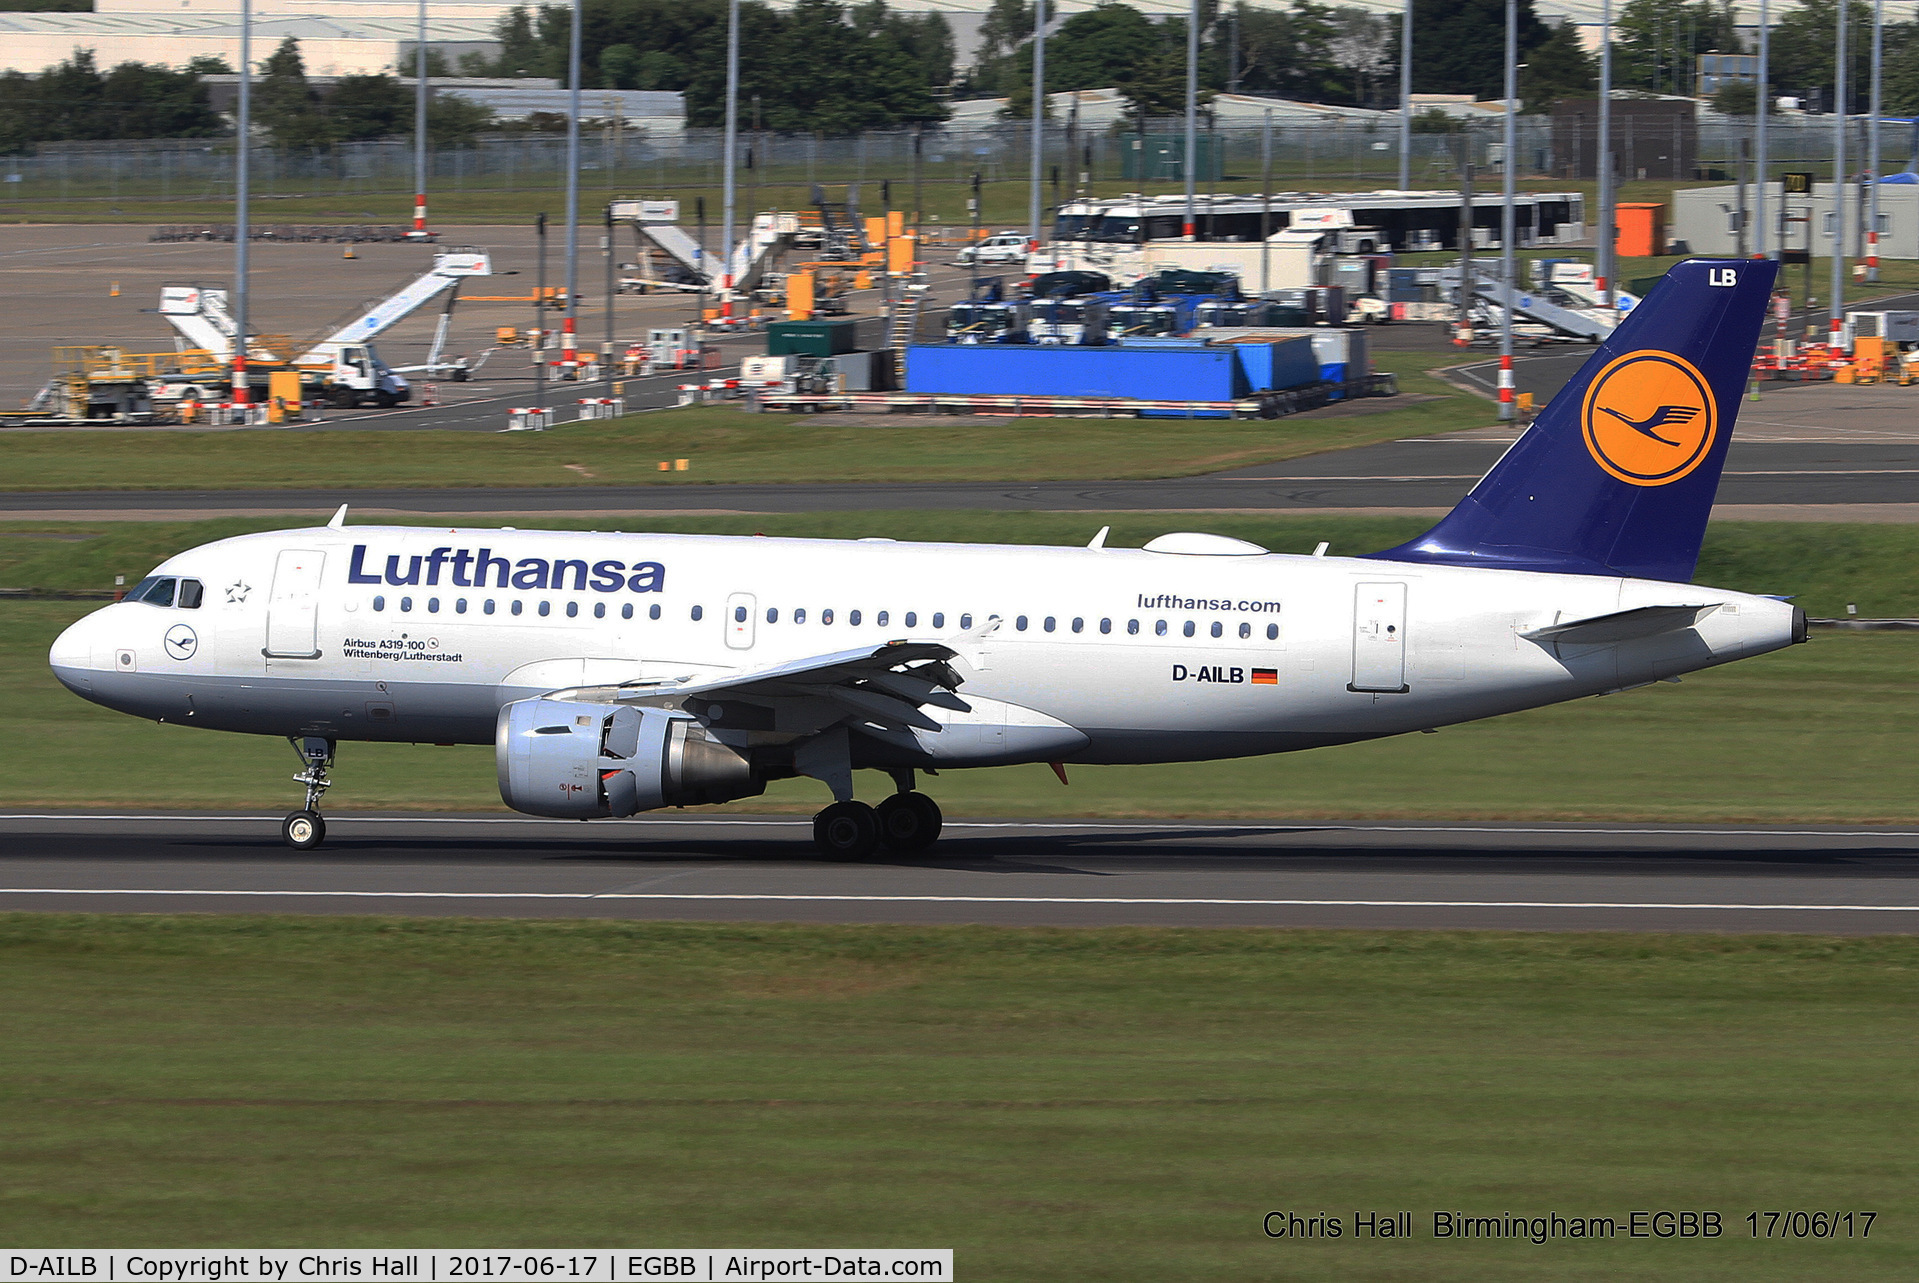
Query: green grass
point(1814, 733)
point(1053, 1104)
point(723, 444)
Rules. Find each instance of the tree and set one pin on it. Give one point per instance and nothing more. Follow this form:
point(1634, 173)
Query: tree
point(209, 65)
point(1557, 68)
point(362, 107)
point(1902, 68)
point(1156, 86)
point(284, 103)
point(454, 121)
point(1659, 39)
point(74, 100)
point(1802, 48)
point(1459, 46)
point(1288, 53)
point(1736, 98)
point(520, 51)
point(1092, 47)
point(1359, 45)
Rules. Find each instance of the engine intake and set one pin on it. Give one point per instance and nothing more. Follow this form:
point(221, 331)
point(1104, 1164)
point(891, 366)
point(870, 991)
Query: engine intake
point(576, 761)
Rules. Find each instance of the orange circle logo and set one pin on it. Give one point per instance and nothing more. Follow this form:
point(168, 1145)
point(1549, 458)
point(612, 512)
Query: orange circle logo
point(1650, 418)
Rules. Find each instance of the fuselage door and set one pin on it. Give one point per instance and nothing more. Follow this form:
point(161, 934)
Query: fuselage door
point(739, 621)
point(1379, 638)
point(293, 609)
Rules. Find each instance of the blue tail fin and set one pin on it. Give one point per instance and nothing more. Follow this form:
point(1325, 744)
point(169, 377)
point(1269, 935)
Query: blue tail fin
point(1617, 475)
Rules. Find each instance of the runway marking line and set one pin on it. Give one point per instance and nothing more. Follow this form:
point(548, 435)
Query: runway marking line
point(1296, 826)
point(1163, 901)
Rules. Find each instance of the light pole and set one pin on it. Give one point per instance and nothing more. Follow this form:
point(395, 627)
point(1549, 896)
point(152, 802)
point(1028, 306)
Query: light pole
point(732, 149)
point(1507, 228)
point(1872, 142)
point(1039, 123)
point(1835, 306)
point(571, 324)
point(1760, 249)
point(1192, 119)
point(419, 129)
point(242, 227)
point(1406, 97)
point(1608, 218)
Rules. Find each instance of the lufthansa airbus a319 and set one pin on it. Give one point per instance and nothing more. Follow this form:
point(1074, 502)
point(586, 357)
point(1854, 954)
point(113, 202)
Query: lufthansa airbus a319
point(619, 673)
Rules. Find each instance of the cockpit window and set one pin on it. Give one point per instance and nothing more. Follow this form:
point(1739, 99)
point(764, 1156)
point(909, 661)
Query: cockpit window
point(154, 591)
point(190, 594)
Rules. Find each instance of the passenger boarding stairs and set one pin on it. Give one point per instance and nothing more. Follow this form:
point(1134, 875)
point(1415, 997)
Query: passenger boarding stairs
point(903, 326)
point(1549, 307)
point(770, 232)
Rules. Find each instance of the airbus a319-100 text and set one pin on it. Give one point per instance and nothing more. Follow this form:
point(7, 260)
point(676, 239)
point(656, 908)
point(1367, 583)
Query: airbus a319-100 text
point(618, 673)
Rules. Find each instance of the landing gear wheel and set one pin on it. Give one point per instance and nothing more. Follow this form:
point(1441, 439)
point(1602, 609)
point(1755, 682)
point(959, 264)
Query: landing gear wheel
point(909, 821)
point(303, 830)
point(846, 831)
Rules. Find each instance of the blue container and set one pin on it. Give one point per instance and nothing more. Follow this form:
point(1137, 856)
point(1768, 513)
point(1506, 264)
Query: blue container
point(1157, 373)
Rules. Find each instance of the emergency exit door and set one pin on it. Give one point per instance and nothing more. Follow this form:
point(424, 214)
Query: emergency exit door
point(293, 608)
point(1379, 638)
point(739, 621)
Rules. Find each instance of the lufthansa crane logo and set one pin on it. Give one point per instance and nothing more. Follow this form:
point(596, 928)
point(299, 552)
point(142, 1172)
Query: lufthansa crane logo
point(1650, 418)
point(180, 642)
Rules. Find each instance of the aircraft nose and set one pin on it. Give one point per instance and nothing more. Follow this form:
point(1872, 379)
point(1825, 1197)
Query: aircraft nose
point(71, 655)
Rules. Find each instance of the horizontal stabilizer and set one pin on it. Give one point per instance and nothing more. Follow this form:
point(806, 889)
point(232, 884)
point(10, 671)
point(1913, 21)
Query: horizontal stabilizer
point(1625, 625)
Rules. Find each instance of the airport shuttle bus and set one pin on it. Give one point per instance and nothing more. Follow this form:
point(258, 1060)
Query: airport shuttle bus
point(619, 673)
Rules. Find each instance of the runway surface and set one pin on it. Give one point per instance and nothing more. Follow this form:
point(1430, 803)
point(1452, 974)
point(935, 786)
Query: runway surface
point(1827, 879)
point(1421, 473)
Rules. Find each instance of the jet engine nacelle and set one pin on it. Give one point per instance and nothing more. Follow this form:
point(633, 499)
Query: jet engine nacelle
point(578, 761)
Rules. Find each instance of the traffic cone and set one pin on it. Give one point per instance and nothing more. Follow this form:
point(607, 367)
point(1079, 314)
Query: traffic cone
point(349, 253)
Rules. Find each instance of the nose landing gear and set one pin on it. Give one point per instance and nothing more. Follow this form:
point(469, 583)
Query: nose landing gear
point(304, 829)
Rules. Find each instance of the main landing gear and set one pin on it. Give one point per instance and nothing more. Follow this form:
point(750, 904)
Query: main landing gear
point(304, 829)
point(905, 822)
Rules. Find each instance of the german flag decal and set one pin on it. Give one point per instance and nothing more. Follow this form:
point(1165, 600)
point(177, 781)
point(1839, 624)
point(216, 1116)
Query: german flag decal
point(1265, 677)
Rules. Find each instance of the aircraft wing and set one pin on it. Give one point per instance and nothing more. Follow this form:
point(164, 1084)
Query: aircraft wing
point(887, 686)
point(1621, 626)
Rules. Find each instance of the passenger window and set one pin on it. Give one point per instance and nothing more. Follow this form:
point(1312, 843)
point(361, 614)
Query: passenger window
point(1245, 631)
point(1079, 625)
point(1159, 629)
point(626, 611)
point(739, 614)
point(912, 619)
point(1020, 623)
point(653, 612)
point(1050, 624)
point(379, 603)
point(1189, 628)
point(517, 606)
point(939, 619)
point(799, 616)
point(432, 605)
point(772, 614)
point(599, 610)
point(699, 613)
point(880, 619)
point(459, 607)
point(966, 622)
point(546, 608)
point(406, 603)
point(190, 593)
point(1106, 625)
point(488, 608)
point(1272, 632)
point(1219, 629)
point(853, 618)
point(572, 610)
point(826, 616)
point(1132, 628)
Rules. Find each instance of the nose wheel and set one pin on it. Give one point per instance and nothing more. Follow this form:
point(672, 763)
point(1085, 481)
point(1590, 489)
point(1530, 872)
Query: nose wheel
point(304, 829)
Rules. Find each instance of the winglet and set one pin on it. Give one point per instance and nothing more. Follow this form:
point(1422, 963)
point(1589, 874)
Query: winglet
point(1099, 540)
point(339, 519)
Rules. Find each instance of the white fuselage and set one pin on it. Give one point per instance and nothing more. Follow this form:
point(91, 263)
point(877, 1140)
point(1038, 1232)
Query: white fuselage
point(1149, 656)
